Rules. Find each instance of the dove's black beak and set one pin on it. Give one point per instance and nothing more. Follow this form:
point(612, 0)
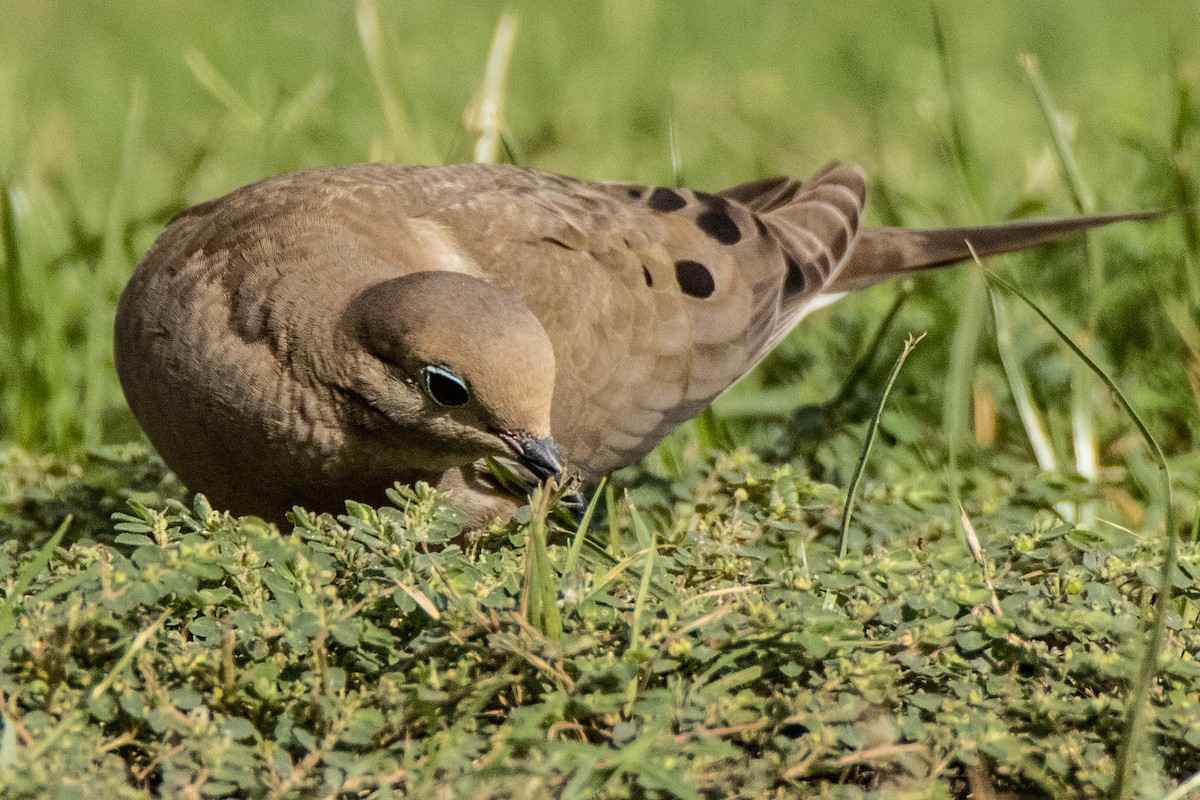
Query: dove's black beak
point(542, 457)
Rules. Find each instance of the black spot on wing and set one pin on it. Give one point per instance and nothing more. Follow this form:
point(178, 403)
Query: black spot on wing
point(635, 192)
point(715, 220)
point(694, 278)
point(647, 276)
point(664, 199)
point(720, 226)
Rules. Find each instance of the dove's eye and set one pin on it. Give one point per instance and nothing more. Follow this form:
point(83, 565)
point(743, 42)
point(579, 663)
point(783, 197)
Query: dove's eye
point(446, 388)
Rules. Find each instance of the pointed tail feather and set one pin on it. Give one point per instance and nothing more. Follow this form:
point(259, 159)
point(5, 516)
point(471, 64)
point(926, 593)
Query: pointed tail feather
point(883, 253)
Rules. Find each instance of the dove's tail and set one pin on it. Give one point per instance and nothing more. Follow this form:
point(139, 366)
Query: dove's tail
point(883, 253)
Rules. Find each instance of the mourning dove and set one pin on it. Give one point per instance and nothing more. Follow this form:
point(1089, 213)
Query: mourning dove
point(322, 335)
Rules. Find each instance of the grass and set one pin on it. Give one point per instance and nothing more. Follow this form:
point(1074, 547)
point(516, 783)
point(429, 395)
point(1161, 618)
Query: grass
point(720, 625)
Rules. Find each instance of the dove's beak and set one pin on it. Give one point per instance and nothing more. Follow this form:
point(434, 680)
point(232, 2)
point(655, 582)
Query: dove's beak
point(542, 457)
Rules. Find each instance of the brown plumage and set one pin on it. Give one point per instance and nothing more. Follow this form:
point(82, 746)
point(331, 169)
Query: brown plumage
point(318, 336)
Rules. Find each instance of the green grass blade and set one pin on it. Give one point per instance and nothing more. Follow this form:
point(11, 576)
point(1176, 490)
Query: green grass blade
point(635, 626)
point(1083, 436)
point(615, 571)
point(1083, 426)
point(969, 326)
point(985, 569)
point(1155, 451)
point(673, 145)
point(961, 143)
point(208, 76)
point(614, 526)
point(640, 531)
point(711, 433)
point(582, 531)
point(963, 351)
point(401, 139)
point(16, 377)
point(1139, 695)
point(539, 594)
point(1081, 193)
point(485, 115)
point(1031, 418)
point(30, 571)
point(139, 642)
point(300, 108)
point(1186, 126)
point(1185, 131)
point(872, 430)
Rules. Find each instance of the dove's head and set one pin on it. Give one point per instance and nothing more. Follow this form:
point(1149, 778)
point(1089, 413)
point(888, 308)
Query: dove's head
point(462, 368)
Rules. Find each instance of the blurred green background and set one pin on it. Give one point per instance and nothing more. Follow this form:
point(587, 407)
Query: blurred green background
point(114, 116)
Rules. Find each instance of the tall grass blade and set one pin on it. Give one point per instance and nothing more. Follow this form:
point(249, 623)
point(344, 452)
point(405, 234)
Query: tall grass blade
point(614, 571)
point(208, 76)
point(640, 531)
point(581, 532)
point(303, 105)
point(401, 141)
point(985, 568)
point(961, 142)
point(539, 593)
point(485, 115)
point(139, 642)
point(513, 151)
point(711, 433)
point(1031, 418)
point(969, 327)
point(23, 412)
point(1083, 437)
point(635, 625)
point(1177, 310)
point(960, 377)
point(614, 525)
point(673, 144)
point(30, 571)
point(1083, 426)
point(872, 430)
point(1081, 194)
point(1185, 129)
point(1139, 695)
point(670, 452)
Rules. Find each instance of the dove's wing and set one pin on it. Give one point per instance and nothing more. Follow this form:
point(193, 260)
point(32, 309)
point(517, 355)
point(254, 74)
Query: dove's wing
point(656, 300)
